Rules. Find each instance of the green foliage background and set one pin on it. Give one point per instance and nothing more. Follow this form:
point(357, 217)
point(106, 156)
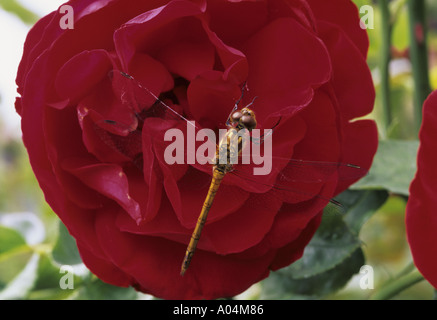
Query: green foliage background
point(370, 232)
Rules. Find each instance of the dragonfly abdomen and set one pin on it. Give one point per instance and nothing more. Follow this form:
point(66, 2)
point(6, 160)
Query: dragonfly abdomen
point(228, 150)
point(217, 178)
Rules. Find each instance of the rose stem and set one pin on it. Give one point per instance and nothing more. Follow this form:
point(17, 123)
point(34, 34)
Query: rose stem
point(399, 284)
point(419, 56)
point(386, 32)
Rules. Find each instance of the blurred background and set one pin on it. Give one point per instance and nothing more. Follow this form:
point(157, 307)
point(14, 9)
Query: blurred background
point(33, 244)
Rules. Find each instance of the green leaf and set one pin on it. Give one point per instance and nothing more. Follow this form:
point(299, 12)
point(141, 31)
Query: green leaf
point(328, 262)
point(393, 167)
point(14, 255)
point(47, 285)
point(20, 285)
point(12, 263)
point(282, 285)
point(95, 289)
point(65, 250)
point(333, 255)
point(27, 224)
point(361, 206)
point(10, 239)
point(332, 243)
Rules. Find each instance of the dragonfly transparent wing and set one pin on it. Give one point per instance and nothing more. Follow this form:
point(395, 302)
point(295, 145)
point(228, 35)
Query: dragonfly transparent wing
point(289, 191)
point(292, 180)
point(143, 102)
point(124, 133)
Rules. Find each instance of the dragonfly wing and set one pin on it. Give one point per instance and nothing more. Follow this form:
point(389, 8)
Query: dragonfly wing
point(298, 203)
point(281, 170)
point(130, 92)
point(295, 181)
point(156, 109)
point(320, 171)
point(141, 137)
point(119, 126)
point(287, 191)
point(144, 102)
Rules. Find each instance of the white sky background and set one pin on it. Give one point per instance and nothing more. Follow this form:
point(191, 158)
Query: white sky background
point(12, 35)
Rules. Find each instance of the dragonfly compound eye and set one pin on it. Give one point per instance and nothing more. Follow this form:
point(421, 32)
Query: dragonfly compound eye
point(236, 116)
point(248, 121)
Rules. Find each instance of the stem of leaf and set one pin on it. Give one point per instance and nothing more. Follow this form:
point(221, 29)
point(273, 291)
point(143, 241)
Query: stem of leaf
point(409, 268)
point(14, 7)
point(419, 55)
point(398, 285)
point(386, 30)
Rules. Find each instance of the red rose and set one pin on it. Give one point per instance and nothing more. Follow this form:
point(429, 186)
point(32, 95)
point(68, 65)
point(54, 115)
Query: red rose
point(131, 213)
point(421, 218)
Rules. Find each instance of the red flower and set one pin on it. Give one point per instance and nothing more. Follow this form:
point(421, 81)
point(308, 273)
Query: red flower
point(421, 219)
point(131, 213)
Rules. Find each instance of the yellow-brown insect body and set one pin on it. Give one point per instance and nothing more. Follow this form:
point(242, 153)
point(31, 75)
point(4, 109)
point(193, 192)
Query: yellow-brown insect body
point(228, 150)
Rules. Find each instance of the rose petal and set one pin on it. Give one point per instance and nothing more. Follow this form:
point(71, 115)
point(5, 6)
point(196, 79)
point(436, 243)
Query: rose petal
point(154, 263)
point(147, 31)
point(80, 221)
point(234, 21)
point(211, 99)
point(227, 200)
point(104, 145)
point(299, 10)
point(359, 145)
point(294, 218)
point(58, 127)
point(150, 73)
point(322, 137)
point(164, 224)
point(421, 220)
point(352, 80)
point(244, 228)
point(107, 179)
point(105, 270)
point(188, 60)
point(344, 14)
point(34, 36)
point(81, 73)
point(294, 250)
point(140, 190)
point(288, 75)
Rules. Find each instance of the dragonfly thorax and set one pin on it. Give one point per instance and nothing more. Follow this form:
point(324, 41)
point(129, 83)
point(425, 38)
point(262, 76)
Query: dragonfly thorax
point(234, 141)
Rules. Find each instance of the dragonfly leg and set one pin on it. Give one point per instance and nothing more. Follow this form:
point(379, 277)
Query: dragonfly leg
point(264, 136)
point(253, 101)
point(242, 94)
point(228, 122)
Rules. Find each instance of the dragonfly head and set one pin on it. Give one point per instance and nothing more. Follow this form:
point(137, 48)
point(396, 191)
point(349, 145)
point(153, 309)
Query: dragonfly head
point(244, 117)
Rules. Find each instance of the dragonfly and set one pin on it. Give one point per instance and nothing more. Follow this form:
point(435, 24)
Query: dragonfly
point(143, 103)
